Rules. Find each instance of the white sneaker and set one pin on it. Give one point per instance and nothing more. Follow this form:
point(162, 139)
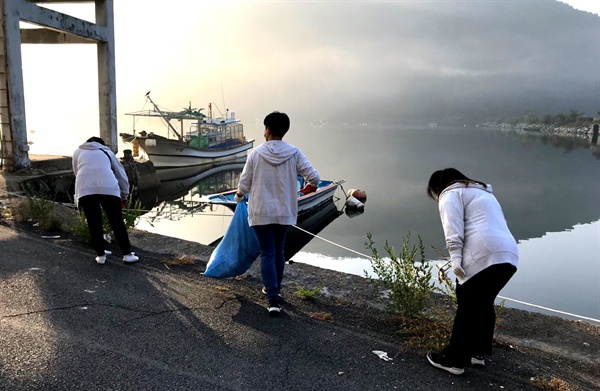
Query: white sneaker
point(478, 361)
point(107, 252)
point(100, 259)
point(130, 258)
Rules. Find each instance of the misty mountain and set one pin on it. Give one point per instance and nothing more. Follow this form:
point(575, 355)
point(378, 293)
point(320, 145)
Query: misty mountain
point(433, 61)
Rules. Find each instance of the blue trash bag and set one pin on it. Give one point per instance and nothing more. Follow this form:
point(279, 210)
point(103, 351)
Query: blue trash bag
point(238, 250)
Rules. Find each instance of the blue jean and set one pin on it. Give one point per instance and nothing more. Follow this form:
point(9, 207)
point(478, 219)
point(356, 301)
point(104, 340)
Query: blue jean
point(271, 239)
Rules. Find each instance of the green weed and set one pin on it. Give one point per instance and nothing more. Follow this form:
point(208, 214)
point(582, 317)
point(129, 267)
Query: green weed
point(404, 279)
point(308, 294)
point(38, 210)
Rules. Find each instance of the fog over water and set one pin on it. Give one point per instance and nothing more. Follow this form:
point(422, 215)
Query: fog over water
point(378, 62)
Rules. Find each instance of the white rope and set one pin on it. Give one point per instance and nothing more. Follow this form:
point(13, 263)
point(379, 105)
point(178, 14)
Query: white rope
point(550, 309)
point(502, 297)
point(329, 241)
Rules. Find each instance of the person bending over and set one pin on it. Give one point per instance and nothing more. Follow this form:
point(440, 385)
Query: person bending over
point(484, 257)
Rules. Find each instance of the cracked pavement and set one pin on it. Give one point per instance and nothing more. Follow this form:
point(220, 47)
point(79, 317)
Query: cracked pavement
point(67, 323)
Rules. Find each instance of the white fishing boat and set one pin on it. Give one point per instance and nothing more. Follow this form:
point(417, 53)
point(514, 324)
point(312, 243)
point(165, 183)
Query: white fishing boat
point(200, 139)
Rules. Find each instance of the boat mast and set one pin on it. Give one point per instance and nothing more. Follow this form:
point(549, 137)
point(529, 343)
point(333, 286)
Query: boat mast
point(164, 117)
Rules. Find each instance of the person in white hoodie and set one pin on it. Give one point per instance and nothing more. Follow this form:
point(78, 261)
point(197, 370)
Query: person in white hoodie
point(101, 183)
point(270, 178)
point(483, 256)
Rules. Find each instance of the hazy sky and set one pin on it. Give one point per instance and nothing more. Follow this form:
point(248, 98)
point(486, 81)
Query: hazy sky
point(348, 61)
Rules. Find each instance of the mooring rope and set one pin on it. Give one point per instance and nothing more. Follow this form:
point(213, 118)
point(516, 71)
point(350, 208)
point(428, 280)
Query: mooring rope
point(501, 297)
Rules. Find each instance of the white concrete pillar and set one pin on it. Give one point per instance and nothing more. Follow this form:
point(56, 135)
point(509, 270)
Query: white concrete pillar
point(12, 99)
point(106, 75)
point(57, 28)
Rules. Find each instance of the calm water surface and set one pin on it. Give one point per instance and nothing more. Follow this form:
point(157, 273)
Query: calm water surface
point(549, 189)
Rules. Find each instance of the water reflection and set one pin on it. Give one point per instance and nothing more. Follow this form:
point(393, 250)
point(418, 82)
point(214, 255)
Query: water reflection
point(309, 225)
point(180, 190)
point(181, 187)
point(567, 143)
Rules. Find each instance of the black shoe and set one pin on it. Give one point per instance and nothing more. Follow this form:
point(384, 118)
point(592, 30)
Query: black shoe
point(478, 361)
point(280, 298)
point(274, 308)
point(443, 362)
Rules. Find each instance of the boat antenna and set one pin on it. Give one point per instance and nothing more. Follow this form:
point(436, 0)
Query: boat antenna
point(163, 116)
point(223, 96)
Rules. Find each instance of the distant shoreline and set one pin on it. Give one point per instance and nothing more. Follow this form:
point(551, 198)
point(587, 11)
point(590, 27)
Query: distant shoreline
point(562, 130)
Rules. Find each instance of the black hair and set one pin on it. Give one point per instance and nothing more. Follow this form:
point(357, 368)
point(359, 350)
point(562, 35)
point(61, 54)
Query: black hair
point(96, 139)
point(441, 179)
point(278, 123)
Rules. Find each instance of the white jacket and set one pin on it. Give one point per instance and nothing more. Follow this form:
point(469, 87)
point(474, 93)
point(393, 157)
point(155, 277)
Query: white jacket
point(98, 171)
point(477, 235)
point(270, 176)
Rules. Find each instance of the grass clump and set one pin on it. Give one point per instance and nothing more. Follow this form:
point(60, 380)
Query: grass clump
point(551, 384)
point(5, 214)
point(38, 210)
point(426, 334)
point(404, 279)
point(131, 215)
point(308, 294)
point(182, 260)
point(407, 282)
point(324, 316)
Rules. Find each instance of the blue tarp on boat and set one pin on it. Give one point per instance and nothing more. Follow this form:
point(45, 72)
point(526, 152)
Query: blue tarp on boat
point(238, 250)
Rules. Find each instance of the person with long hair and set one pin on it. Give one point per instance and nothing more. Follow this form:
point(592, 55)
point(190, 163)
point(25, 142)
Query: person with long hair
point(101, 184)
point(483, 256)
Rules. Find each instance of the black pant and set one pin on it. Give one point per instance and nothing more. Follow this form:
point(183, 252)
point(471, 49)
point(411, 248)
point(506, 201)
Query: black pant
point(112, 207)
point(473, 329)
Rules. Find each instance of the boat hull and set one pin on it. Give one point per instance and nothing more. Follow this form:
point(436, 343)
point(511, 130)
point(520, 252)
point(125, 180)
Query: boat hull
point(306, 203)
point(163, 152)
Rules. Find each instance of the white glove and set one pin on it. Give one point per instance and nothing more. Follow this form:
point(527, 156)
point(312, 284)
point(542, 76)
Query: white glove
point(238, 198)
point(458, 270)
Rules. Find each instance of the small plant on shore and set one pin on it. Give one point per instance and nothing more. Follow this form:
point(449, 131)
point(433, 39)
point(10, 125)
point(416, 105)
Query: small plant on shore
point(181, 260)
point(446, 284)
point(404, 279)
point(38, 210)
point(550, 384)
point(324, 316)
point(132, 213)
point(499, 312)
point(426, 334)
point(308, 294)
point(5, 213)
point(80, 229)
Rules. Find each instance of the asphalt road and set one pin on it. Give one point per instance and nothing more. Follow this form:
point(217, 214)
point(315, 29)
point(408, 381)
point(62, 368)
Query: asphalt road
point(67, 323)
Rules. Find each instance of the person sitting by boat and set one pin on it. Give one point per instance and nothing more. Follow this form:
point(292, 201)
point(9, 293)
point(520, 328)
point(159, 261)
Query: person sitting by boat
point(101, 184)
point(270, 178)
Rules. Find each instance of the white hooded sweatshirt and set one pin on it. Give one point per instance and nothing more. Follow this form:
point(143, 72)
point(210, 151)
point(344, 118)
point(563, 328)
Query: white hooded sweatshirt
point(270, 176)
point(476, 232)
point(98, 171)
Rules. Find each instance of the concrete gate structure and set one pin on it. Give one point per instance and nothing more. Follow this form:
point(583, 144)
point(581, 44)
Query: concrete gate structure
point(56, 28)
